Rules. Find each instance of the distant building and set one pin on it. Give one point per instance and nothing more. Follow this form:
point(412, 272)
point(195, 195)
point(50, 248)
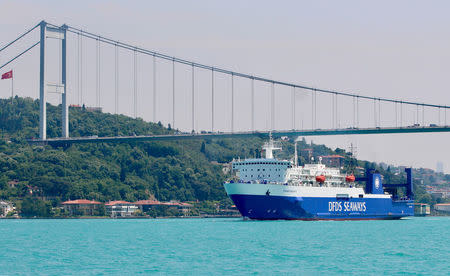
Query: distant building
point(120, 208)
point(13, 183)
point(335, 161)
point(421, 209)
point(442, 207)
point(82, 207)
point(440, 167)
point(94, 109)
point(146, 205)
point(184, 207)
point(5, 208)
point(88, 108)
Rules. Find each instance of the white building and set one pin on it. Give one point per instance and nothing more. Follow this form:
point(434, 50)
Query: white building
point(120, 208)
point(442, 207)
point(5, 208)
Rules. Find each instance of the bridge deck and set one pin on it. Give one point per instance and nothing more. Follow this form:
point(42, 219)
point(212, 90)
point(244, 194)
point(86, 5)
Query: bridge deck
point(244, 134)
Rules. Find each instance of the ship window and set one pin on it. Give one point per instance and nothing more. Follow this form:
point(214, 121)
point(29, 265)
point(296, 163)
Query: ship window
point(279, 175)
point(252, 175)
point(258, 170)
point(361, 196)
point(269, 175)
point(264, 169)
point(252, 169)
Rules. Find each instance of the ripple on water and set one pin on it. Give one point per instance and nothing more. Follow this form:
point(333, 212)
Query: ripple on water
point(225, 246)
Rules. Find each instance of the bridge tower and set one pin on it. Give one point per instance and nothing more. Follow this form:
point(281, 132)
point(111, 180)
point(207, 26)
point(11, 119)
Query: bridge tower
point(59, 33)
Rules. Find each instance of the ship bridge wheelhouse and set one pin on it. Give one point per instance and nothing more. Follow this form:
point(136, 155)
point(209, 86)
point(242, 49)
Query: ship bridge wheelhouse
point(270, 170)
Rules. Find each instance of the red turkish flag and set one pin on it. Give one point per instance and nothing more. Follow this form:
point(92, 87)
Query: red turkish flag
point(7, 75)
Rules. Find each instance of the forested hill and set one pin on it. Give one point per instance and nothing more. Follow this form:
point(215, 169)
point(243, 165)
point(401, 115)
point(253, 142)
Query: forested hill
point(176, 170)
point(166, 170)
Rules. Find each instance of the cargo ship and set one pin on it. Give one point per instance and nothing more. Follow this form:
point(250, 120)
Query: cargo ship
point(270, 189)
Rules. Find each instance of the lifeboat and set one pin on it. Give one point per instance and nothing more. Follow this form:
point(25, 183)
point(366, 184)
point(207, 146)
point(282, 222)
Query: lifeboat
point(320, 178)
point(350, 178)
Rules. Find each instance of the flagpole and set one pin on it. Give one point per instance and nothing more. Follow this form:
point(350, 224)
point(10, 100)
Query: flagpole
point(12, 86)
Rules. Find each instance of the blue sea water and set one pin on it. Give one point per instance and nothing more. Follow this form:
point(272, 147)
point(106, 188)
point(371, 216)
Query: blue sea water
point(224, 246)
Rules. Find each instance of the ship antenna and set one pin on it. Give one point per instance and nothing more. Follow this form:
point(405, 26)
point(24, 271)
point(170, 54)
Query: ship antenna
point(295, 155)
point(270, 146)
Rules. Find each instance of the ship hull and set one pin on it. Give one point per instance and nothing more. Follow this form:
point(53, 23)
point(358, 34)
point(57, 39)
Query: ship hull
point(272, 202)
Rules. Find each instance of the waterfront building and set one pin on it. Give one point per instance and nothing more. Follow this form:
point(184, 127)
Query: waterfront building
point(120, 209)
point(184, 207)
point(146, 205)
point(5, 208)
point(421, 209)
point(82, 207)
point(442, 207)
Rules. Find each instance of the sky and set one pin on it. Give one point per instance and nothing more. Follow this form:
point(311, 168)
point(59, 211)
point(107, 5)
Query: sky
point(392, 49)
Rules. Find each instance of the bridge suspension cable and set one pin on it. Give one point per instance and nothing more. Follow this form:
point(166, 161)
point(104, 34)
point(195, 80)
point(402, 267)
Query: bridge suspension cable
point(212, 100)
point(236, 74)
point(135, 84)
point(193, 98)
point(81, 68)
point(272, 107)
point(173, 93)
point(116, 79)
point(154, 89)
point(17, 39)
point(232, 103)
point(253, 105)
point(97, 77)
point(292, 107)
point(19, 55)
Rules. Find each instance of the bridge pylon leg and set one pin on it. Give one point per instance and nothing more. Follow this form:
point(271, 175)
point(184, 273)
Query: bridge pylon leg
point(64, 105)
point(60, 34)
point(42, 94)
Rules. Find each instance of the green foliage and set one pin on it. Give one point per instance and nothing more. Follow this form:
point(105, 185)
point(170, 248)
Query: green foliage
point(103, 172)
point(34, 207)
point(163, 211)
point(176, 170)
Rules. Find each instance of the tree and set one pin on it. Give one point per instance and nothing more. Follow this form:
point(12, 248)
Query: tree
point(34, 207)
point(203, 147)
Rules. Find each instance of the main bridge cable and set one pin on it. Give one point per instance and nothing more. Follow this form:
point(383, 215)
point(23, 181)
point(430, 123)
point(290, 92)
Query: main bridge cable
point(28, 49)
point(24, 34)
point(237, 74)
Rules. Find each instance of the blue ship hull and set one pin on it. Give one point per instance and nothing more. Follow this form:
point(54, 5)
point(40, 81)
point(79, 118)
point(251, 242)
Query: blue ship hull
point(268, 207)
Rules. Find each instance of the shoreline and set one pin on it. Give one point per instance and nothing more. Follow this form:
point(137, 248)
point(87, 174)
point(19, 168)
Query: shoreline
point(190, 217)
point(144, 217)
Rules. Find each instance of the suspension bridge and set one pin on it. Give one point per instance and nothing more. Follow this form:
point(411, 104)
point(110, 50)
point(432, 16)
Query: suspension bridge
point(200, 101)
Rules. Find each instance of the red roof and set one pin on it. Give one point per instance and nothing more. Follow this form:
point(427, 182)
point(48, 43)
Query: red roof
point(333, 156)
point(81, 201)
point(156, 202)
point(117, 202)
point(147, 202)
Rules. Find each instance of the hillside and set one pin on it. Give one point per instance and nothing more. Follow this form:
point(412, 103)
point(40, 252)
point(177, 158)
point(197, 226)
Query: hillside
point(176, 170)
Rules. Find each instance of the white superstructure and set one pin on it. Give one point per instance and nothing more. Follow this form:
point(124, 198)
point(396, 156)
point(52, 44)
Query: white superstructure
point(270, 170)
